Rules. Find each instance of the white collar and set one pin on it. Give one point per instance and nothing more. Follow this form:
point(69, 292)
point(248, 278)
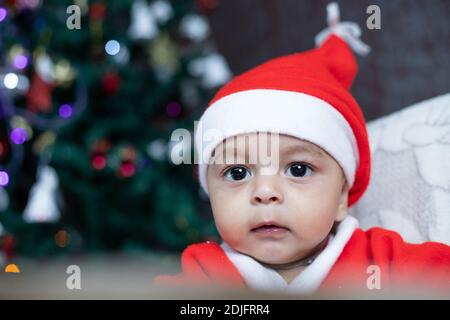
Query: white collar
point(259, 277)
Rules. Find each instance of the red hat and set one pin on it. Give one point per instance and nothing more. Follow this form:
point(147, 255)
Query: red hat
point(304, 95)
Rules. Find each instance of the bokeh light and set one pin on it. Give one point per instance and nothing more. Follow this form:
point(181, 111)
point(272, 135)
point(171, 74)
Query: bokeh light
point(127, 169)
point(99, 162)
point(20, 61)
point(3, 14)
point(112, 47)
point(11, 80)
point(18, 135)
point(65, 111)
point(4, 178)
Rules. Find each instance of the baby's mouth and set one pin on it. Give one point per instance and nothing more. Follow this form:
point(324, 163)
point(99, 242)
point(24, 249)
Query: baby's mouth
point(269, 228)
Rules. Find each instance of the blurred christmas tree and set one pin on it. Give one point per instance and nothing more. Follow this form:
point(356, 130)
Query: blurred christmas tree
point(86, 119)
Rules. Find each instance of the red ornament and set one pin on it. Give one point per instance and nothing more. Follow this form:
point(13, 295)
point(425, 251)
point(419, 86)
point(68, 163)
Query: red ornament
point(97, 11)
point(8, 244)
point(101, 146)
point(98, 162)
point(207, 5)
point(98, 153)
point(39, 97)
point(127, 169)
point(111, 82)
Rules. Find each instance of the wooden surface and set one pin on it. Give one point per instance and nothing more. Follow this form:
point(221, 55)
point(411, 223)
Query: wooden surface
point(120, 276)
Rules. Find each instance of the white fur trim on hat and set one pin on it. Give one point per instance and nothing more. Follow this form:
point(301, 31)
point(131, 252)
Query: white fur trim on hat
point(284, 112)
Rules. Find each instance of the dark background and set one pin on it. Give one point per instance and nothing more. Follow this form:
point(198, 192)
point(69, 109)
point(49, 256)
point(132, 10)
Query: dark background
point(409, 61)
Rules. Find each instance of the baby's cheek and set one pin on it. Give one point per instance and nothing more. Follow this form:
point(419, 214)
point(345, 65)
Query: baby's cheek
point(229, 226)
point(315, 221)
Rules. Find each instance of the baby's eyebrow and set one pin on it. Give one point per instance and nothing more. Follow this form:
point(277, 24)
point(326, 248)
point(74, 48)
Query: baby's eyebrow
point(231, 150)
point(229, 147)
point(290, 150)
point(302, 149)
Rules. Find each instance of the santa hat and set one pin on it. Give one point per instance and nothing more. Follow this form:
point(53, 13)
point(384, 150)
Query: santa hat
point(304, 95)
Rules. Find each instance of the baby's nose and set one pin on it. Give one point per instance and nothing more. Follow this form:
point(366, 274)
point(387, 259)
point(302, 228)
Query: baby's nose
point(266, 191)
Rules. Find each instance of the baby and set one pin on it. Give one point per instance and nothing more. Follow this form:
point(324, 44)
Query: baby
point(284, 222)
point(284, 219)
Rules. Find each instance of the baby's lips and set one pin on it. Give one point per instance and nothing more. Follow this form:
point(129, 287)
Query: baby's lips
point(268, 224)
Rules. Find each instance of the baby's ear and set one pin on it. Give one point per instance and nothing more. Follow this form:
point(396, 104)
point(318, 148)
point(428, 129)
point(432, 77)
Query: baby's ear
point(342, 210)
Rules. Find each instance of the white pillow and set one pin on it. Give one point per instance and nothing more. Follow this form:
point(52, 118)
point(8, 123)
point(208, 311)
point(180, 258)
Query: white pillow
point(409, 191)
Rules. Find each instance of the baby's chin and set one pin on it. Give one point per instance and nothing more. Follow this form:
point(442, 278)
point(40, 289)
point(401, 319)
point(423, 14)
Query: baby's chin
point(273, 256)
point(276, 260)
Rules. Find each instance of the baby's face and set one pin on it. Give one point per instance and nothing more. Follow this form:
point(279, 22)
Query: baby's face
point(278, 217)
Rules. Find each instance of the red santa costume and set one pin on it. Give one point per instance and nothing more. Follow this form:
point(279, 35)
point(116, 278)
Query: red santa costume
point(346, 264)
point(306, 95)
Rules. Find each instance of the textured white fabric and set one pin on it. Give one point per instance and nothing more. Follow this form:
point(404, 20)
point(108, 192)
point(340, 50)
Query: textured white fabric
point(278, 111)
point(409, 189)
point(259, 277)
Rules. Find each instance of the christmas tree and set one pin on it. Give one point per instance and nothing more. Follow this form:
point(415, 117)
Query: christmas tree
point(90, 93)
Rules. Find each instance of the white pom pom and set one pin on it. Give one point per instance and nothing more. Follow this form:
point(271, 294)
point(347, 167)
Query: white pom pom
point(350, 32)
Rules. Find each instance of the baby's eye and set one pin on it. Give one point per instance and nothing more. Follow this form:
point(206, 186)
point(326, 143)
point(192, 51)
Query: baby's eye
point(237, 173)
point(299, 170)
